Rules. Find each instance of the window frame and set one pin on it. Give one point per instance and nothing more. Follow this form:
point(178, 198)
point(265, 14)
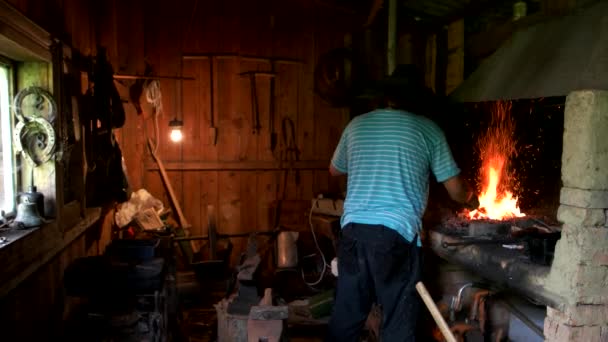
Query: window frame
point(31, 48)
point(9, 65)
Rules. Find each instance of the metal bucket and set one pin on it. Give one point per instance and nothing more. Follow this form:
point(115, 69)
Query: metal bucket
point(287, 249)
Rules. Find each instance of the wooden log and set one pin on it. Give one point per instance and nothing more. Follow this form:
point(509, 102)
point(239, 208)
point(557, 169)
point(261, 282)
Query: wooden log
point(212, 232)
point(174, 201)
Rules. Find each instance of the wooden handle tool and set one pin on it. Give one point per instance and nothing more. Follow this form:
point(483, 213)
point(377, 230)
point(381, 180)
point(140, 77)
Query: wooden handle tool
point(430, 304)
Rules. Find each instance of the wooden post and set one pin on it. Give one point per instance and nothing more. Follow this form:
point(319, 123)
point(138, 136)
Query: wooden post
point(455, 56)
point(392, 36)
point(441, 61)
point(430, 63)
point(212, 234)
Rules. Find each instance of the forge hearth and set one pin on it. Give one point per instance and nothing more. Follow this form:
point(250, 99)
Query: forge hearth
point(460, 225)
point(489, 228)
point(573, 286)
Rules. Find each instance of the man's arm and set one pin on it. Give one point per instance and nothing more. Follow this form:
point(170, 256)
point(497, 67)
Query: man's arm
point(335, 172)
point(339, 162)
point(448, 173)
point(459, 192)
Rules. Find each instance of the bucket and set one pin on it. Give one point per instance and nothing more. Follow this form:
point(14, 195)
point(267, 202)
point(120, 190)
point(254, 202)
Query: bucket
point(127, 249)
point(287, 249)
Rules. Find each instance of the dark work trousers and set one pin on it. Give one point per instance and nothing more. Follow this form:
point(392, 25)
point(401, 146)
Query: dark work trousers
point(375, 264)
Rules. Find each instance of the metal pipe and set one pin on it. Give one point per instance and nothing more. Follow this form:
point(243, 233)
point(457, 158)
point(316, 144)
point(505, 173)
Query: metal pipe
point(236, 235)
point(478, 242)
point(141, 77)
point(392, 36)
point(458, 301)
point(500, 267)
point(248, 58)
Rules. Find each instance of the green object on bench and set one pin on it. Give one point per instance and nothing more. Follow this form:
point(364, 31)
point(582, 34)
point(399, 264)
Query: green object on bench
point(320, 305)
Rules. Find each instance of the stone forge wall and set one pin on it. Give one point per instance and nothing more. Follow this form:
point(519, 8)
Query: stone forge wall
point(580, 268)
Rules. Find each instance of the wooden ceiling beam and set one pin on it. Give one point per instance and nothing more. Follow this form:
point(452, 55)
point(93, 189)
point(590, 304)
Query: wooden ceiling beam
point(405, 24)
point(473, 9)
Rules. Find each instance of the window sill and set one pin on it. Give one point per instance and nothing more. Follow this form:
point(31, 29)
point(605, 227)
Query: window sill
point(14, 235)
point(30, 249)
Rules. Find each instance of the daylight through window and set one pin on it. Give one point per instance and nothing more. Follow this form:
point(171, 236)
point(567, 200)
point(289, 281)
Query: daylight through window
point(7, 186)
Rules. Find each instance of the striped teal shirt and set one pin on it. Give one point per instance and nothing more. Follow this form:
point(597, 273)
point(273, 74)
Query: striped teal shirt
point(388, 156)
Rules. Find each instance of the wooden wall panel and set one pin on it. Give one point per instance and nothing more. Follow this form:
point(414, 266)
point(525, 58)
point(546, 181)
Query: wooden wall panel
point(244, 199)
point(230, 121)
point(195, 99)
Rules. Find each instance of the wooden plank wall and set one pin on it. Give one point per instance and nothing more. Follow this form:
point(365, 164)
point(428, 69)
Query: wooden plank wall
point(34, 309)
point(233, 174)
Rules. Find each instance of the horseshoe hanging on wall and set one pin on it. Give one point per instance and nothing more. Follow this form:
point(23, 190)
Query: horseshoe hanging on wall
point(34, 102)
point(35, 139)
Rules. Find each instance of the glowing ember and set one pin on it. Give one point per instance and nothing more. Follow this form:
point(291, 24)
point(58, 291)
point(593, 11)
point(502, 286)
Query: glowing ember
point(496, 147)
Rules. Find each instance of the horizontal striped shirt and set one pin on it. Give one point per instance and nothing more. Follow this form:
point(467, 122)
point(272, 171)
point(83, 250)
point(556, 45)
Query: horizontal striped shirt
point(389, 156)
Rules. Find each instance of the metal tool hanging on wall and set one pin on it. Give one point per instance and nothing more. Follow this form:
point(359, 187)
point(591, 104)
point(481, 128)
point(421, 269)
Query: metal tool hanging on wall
point(272, 109)
point(255, 108)
point(34, 135)
point(212, 102)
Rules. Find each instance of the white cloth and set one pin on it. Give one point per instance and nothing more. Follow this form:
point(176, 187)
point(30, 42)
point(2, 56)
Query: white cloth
point(334, 267)
point(140, 201)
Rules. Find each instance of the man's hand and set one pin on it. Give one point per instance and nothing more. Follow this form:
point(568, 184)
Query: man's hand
point(457, 189)
point(472, 202)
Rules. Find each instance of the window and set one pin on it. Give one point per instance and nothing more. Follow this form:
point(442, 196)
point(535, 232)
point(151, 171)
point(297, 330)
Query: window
point(7, 184)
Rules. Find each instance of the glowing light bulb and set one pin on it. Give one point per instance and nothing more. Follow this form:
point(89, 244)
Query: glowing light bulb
point(176, 135)
point(176, 130)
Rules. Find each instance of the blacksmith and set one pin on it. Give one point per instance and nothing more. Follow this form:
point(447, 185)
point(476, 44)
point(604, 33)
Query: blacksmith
point(388, 156)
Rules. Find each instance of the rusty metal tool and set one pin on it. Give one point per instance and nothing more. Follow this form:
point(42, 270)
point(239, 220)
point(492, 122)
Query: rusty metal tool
point(479, 242)
point(212, 128)
point(272, 110)
point(255, 108)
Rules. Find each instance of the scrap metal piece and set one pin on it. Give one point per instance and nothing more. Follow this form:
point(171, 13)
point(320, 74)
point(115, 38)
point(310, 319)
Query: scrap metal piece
point(268, 313)
point(248, 268)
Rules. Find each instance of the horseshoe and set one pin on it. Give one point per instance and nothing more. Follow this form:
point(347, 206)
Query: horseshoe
point(46, 142)
point(41, 95)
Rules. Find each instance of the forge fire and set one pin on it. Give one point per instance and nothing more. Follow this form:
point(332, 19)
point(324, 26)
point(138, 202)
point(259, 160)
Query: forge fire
point(496, 147)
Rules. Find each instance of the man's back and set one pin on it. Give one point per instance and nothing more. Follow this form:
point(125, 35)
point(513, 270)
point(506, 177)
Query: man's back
point(388, 155)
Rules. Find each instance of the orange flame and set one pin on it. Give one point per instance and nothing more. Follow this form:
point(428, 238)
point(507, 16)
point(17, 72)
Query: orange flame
point(496, 200)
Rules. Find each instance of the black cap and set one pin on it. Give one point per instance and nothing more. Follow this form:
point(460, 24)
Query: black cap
point(405, 82)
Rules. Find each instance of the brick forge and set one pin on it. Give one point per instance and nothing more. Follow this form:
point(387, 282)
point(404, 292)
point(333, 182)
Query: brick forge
point(579, 273)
